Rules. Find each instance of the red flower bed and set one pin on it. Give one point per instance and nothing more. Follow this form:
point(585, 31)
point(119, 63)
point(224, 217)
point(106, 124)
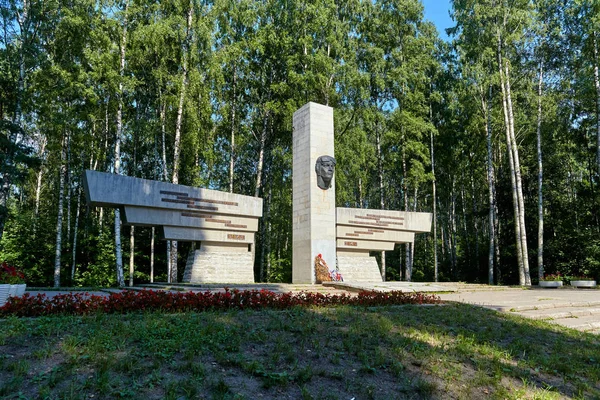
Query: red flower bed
point(149, 300)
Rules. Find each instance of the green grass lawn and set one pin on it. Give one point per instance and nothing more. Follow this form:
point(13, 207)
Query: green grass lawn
point(435, 351)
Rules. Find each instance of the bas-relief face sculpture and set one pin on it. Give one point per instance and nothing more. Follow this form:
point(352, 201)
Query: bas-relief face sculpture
point(325, 167)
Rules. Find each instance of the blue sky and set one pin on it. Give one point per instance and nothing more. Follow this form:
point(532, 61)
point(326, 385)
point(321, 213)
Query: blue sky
point(437, 11)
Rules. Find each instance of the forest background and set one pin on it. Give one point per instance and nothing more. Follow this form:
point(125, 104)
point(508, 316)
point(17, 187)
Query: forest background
point(496, 132)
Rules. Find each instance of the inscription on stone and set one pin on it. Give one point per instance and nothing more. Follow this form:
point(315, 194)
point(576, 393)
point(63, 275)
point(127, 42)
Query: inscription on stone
point(350, 244)
point(184, 198)
point(235, 237)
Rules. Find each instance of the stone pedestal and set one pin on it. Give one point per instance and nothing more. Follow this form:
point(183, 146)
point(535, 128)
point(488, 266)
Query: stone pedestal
point(358, 266)
point(313, 207)
point(220, 263)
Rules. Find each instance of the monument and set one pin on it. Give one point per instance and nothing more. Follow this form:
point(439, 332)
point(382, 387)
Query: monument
point(344, 237)
point(223, 223)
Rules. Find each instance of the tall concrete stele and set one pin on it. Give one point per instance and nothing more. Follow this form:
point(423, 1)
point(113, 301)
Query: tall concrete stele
point(313, 207)
point(343, 236)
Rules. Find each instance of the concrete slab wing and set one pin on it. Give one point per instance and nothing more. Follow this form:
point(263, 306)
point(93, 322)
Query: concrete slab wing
point(364, 244)
point(385, 219)
point(377, 234)
point(156, 216)
point(104, 189)
point(201, 235)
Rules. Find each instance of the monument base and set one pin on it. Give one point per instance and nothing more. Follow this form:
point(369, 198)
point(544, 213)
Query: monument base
point(220, 263)
point(358, 267)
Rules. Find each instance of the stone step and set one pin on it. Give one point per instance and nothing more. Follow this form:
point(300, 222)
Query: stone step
point(554, 305)
point(560, 312)
point(585, 323)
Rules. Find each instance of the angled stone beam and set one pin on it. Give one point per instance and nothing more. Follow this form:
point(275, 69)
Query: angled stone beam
point(385, 219)
point(112, 190)
point(375, 234)
point(364, 245)
point(206, 235)
point(193, 219)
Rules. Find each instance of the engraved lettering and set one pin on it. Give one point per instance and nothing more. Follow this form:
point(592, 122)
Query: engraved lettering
point(173, 193)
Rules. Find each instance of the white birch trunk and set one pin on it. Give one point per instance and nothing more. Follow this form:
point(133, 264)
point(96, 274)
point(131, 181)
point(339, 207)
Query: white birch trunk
point(232, 153)
point(131, 254)
point(453, 228)
point(407, 275)
point(261, 154)
point(38, 186)
point(69, 188)
point(412, 246)
point(490, 179)
point(22, 21)
point(152, 255)
point(381, 194)
point(75, 230)
point(511, 164)
point(59, 220)
point(597, 85)
point(119, 133)
point(540, 255)
point(515, 150)
point(433, 189)
point(165, 172)
point(178, 123)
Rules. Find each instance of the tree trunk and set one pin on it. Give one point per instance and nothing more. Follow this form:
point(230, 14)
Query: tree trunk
point(177, 141)
point(452, 233)
point(540, 255)
point(511, 164)
point(433, 188)
point(152, 255)
point(119, 133)
point(407, 252)
point(75, 230)
point(59, 220)
point(232, 153)
point(485, 106)
point(165, 172)
point(412, 246)
point(163, 131)
point(69, 188)
point(597, 85)
point(131, 254)
point(22, 21)
point(264, 232)
point(515, 150)
point(261, 154)
point(463, 202)
point(38, 187)
point(381, 194)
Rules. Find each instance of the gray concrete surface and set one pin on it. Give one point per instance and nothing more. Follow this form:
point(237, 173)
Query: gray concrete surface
point(574, 308)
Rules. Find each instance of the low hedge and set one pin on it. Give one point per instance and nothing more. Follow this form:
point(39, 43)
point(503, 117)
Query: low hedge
point(150, 300)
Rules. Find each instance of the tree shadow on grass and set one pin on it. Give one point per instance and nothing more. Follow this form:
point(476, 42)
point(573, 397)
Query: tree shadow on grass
point(468, 351)
point(390, 352)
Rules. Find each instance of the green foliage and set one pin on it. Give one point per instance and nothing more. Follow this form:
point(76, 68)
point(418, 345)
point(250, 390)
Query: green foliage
point(393, 84)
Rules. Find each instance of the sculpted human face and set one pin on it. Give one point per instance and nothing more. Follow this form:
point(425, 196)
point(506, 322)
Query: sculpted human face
point(327, 169)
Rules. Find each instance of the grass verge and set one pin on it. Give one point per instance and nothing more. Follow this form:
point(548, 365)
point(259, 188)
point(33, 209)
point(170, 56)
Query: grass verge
point(386, 352)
